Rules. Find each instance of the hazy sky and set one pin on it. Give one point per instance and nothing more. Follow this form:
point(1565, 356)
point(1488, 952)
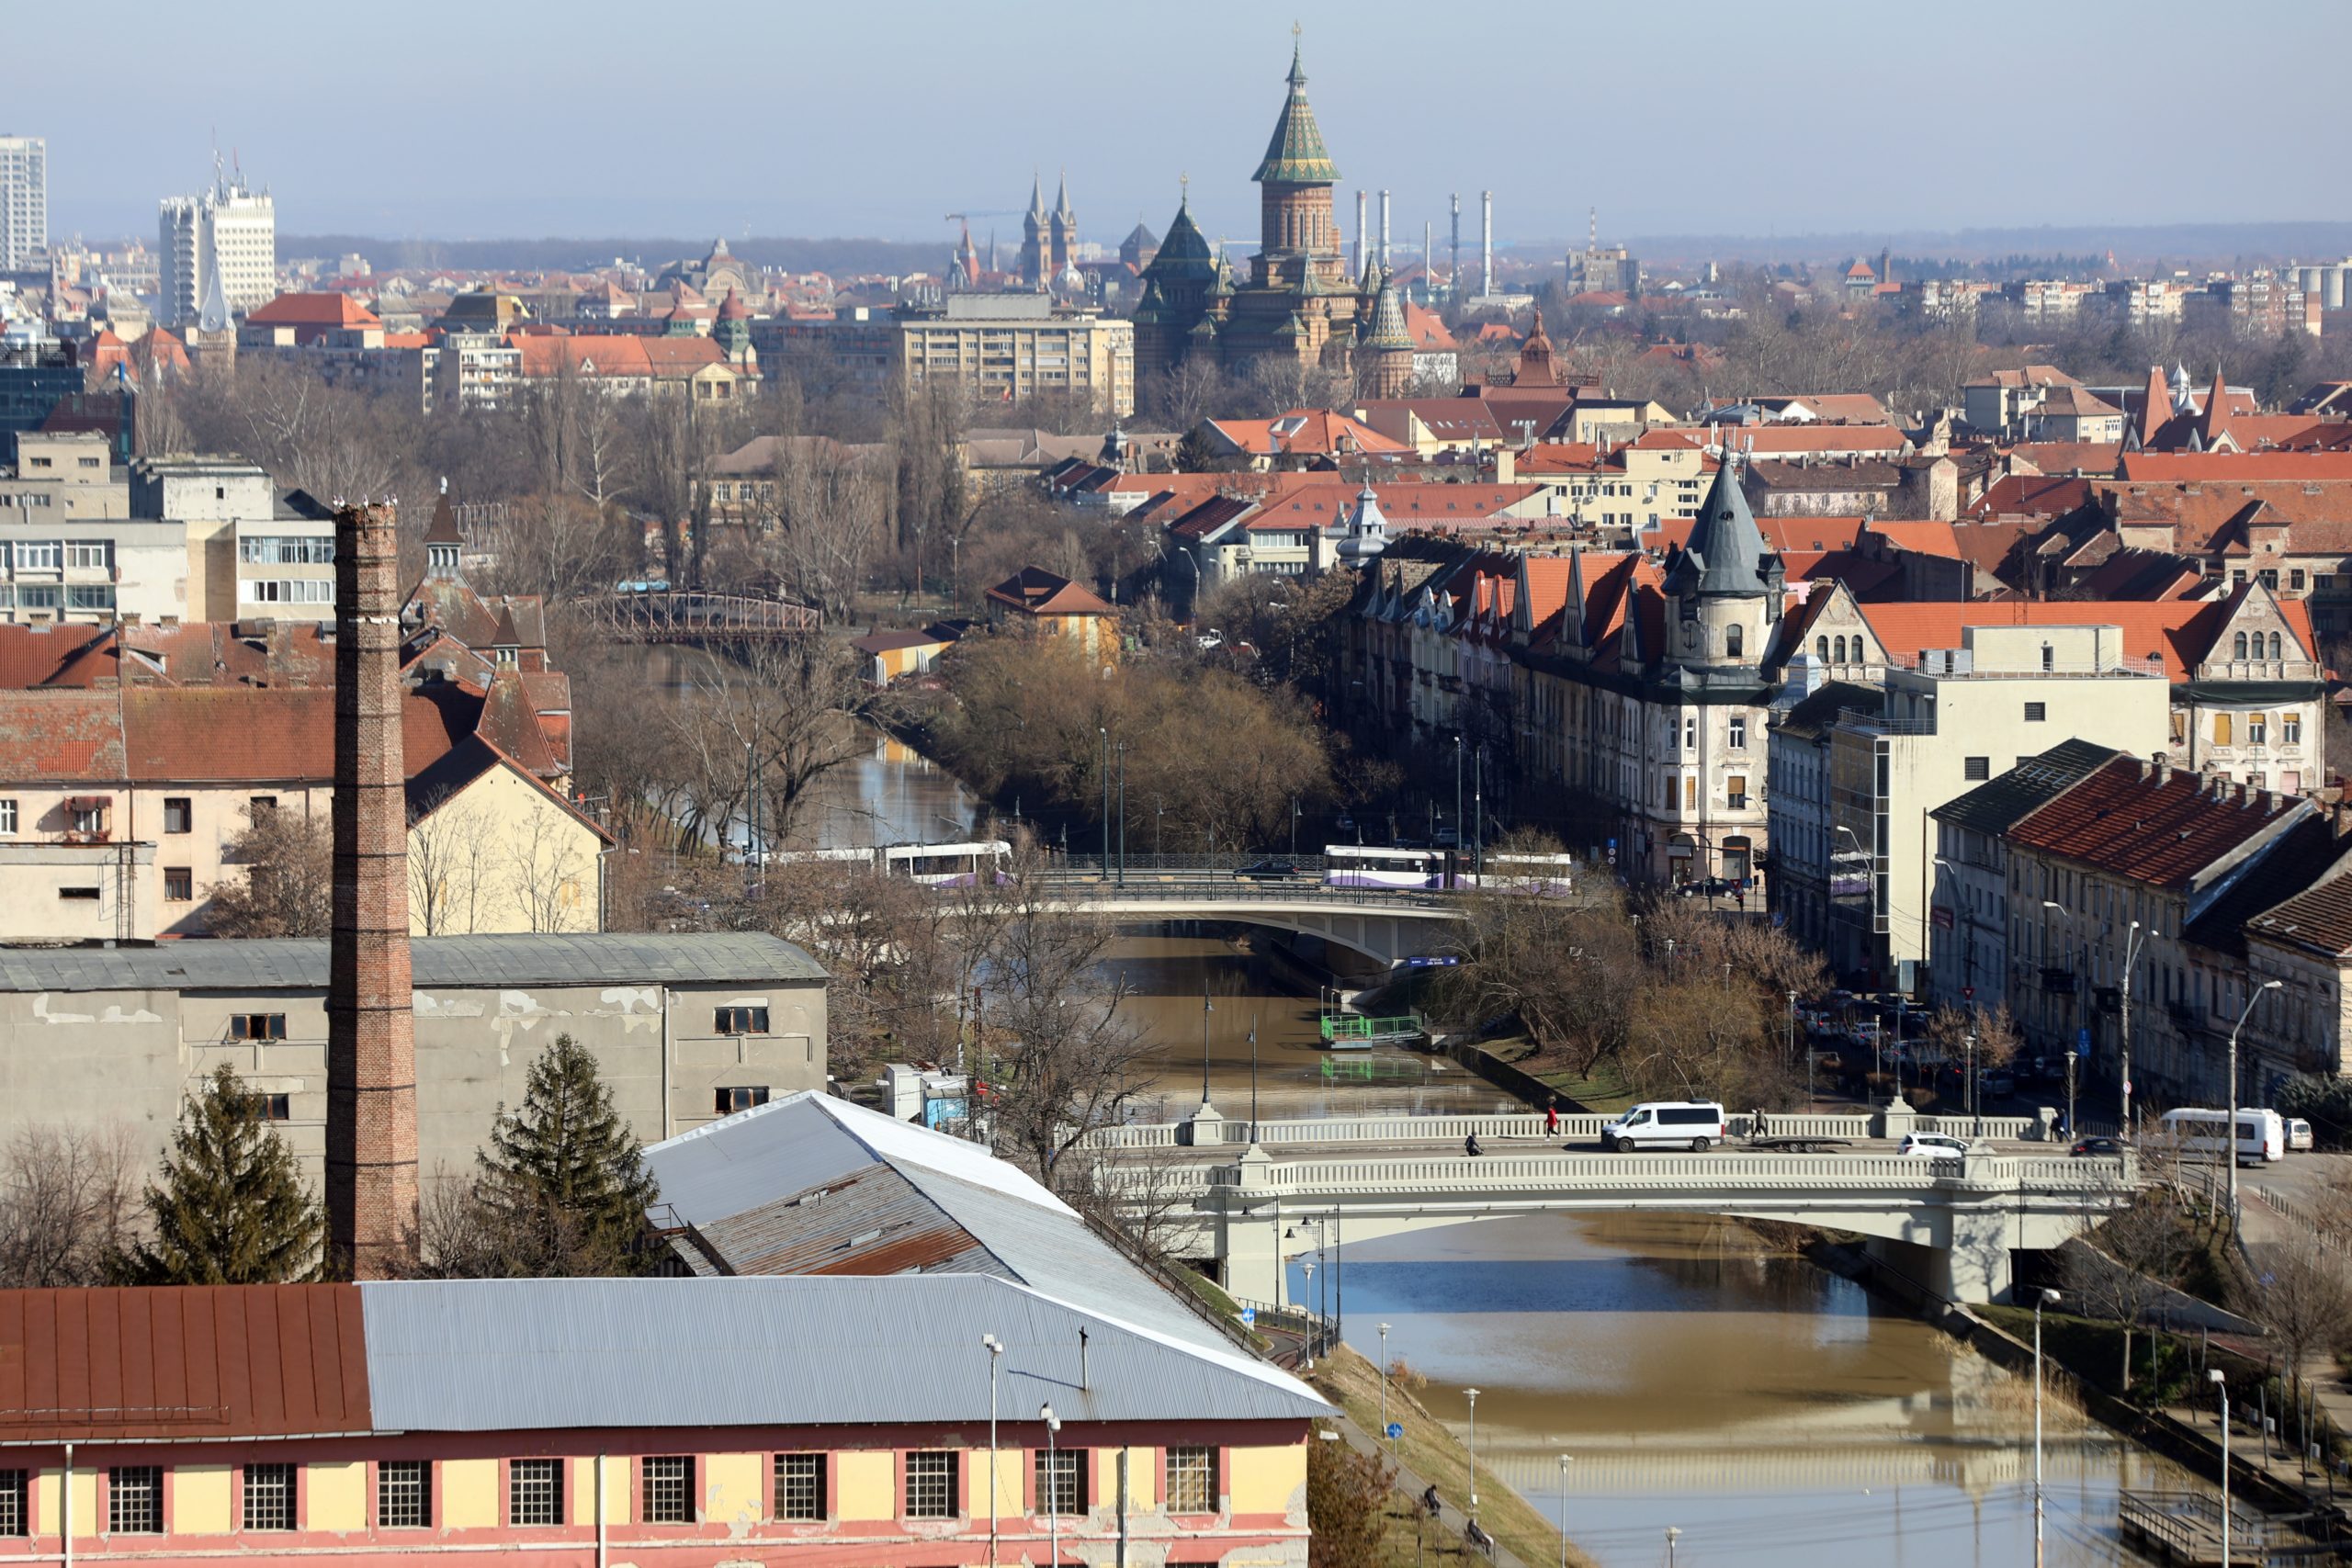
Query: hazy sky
point(439, 119)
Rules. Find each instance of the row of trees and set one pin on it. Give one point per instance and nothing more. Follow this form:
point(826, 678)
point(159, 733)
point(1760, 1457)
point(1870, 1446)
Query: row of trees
point(1206, 756)
point(560, 1189)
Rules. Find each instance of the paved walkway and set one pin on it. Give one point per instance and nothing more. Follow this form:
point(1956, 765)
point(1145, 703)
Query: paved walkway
point(2267, 1227)
point(1414, 1487)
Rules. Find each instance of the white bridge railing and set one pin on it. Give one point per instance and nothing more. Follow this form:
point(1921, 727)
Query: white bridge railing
point(1656, 1172)
point(1582, 1127)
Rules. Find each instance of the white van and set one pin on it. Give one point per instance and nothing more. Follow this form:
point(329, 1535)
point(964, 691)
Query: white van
point(2261, 1134)
point(2298, 1133)
point(1693, 1124)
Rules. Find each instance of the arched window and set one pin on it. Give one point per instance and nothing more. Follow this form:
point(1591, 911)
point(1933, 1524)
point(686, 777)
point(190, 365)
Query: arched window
point(1821, 649)
point(2275, 645)
point(1734, 641)
point(2240, 646)
point(1841, 651)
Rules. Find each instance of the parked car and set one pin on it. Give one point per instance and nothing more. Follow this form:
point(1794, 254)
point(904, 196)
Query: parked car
point(1998, 1084)
point(1932, 1146)
point(1266, 871)
point(2298, 1133)
point(2085, 1148)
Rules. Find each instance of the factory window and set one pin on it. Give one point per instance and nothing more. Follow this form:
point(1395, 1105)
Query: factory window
point(135, 1500)
point(88, 893)
point(801, 1486)
point(740, 1021)
point(1060, 1476)
point(269, 1497)
point(931, 1485)
point(1191, 1481)
point(1977, 769)
point(741, 1097)
point(275, 1107)
point(667, 1488)
point(2037, 713)
point(404, 1495)
point(15, 1515)
point(535, 1492)
point(257, 1026)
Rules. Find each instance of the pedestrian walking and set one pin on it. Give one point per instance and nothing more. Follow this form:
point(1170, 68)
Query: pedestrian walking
point(1552, 1118)
point(1429, 1499)
point(1470, 1145)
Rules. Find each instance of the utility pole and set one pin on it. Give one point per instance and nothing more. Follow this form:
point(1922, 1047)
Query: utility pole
point(1122, 813)
point(2133, 939)
point(1105, 731)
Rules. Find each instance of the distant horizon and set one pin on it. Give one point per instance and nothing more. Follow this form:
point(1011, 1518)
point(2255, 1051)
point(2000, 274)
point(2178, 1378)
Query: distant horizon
point(811, 122)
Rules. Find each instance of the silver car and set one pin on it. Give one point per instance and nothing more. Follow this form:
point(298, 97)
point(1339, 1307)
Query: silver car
point(1932, 1146)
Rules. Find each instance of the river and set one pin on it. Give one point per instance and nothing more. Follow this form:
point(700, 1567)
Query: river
point(1774, 1414)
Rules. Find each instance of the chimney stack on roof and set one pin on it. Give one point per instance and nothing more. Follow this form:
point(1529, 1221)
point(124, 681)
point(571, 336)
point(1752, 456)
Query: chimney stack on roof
point(371, 1177)
point(2164, 767)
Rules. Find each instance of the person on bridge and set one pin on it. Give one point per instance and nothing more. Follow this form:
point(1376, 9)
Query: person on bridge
point(1470, 1145)
point(1552, 1118)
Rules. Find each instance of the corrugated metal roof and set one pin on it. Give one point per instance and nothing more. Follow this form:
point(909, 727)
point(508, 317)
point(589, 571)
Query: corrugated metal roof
point(744, 1183)
point(456, 962)
point(519, 1355)
point(191, 1361)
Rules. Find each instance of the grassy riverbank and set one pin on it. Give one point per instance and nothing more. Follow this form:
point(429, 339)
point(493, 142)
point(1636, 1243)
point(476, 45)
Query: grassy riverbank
point(1430, 1449)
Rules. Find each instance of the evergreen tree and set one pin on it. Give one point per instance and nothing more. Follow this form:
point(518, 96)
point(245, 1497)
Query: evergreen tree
point(230, 1207)
point(563, 1186)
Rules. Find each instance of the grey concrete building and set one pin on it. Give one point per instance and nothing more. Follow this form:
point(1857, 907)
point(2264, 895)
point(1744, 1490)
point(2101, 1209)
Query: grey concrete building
point(686, 1028)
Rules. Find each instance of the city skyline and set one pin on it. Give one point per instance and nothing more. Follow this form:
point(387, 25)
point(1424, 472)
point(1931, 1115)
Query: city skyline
point(692, 162)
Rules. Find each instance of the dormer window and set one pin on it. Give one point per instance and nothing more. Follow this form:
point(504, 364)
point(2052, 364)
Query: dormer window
point(441, 560)
point(505, 658)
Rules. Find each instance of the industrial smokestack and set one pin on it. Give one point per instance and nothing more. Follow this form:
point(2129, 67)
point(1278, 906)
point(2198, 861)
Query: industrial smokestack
point(1454, 274)
point(371, 1187)
point(1384, 231)
point(1358, 269)
point(1486, 242)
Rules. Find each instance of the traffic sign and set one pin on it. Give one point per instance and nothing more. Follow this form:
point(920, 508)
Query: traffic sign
point(2083, 1043)
point(1441, 961)
point(1249, 1317)
point(1395, 1430)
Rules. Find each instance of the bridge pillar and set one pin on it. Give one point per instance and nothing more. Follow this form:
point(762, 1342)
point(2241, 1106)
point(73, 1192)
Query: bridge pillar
point(1968, 1263)
point(1250, 1232)
point(1203, 1127)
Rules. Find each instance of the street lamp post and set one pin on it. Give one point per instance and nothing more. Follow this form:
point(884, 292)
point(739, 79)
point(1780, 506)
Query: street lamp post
point(2135, 939)
point(1307, 1270)
point(1793, 1051)
point(2221, 1386)
point(1672, 1535)
point(996, 1354)
point(1384, 1384)
point(2047, 1298)
point(1103, 730)
point(1053, 1479)
point(1293, 827)
point(2248, 1011)
point(1565, 1461)
point(1207, 1007)
point(1473, 1453)
point(1122, 750)
point(1976, 1110)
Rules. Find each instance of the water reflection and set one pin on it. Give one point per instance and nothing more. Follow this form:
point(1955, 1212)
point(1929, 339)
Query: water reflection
point(1772, 1411)
point(1168, 969)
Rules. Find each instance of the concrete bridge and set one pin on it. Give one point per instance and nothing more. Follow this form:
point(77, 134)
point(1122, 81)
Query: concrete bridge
point(1390, 926)
point(1952, 1224)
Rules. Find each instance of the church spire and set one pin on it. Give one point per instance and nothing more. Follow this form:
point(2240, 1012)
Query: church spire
point(1061, 205)
point(1036, 195)
point(1295, 155)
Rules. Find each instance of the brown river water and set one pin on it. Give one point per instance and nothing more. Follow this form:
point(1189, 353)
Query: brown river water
point(1774, 1414)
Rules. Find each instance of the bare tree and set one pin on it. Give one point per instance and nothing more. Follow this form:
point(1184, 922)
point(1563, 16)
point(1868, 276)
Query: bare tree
point(2119, 1270)
point(288, 888)
point(68, 1197)
point(452, 847)
point(2303, 1296)
point(547, 875)
point(1059, 1052)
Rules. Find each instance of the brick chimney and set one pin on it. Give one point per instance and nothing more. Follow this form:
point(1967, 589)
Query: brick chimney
point(372, 1185)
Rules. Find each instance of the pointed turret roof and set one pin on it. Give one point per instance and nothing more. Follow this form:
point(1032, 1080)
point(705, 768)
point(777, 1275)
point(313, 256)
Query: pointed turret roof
point(443, 529)
point(732, 308)
point(2155, 407)
point(1535, 365)
point(1061, 204)
point(2216, 422)
point(1726, 557)
point(1036, 195)
point(214, 315)
point(1294, 155)
point(1388, 329)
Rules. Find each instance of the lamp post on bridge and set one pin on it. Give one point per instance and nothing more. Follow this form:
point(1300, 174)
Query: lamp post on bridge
point(2232, 1130)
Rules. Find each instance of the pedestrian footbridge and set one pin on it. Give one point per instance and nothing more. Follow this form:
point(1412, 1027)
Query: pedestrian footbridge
point(1950, 1224)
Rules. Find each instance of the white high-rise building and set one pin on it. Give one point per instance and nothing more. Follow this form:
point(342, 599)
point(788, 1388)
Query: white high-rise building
point(24, 200)
point(231, 229)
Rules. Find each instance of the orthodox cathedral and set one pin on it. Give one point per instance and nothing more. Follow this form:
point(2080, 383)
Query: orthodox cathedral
point(1296, 299)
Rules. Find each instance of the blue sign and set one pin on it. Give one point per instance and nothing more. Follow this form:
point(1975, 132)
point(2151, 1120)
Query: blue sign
point(1612, 844)
point(1395, 1430)
point(1442, 962)
point(2083, 1043)
point(1249, 1317)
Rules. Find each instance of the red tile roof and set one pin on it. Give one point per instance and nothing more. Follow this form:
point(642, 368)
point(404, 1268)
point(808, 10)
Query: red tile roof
point(2178, 632)
point(1034, 591)
point(2233, 468)
point(2161, 833)
point(185, 1361)
point(319, 312)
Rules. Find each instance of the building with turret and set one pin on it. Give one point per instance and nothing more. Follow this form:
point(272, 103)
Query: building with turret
point(1296, 300)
